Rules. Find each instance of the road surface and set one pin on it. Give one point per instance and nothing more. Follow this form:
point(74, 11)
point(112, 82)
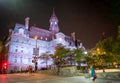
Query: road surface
point(43, 78)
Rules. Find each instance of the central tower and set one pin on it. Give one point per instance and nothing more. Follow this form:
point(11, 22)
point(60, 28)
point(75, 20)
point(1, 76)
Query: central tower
point(54, 23)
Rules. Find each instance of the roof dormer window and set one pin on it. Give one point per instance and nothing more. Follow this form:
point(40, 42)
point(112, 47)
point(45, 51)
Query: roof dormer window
point(41, 37)
point(21, 31)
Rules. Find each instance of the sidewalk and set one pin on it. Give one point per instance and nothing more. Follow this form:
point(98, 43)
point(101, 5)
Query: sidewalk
point(113, 74)
point(109, 74)
point(108, 70)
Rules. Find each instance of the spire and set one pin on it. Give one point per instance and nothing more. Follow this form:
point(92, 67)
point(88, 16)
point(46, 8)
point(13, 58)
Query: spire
point(53, 17)
point(54, 23)
point(53, 13)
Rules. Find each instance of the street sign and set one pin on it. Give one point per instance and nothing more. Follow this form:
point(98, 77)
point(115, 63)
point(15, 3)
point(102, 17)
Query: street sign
point(35, 51)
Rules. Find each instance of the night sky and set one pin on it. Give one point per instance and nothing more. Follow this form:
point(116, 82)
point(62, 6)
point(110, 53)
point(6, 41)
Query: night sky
point(88, 18)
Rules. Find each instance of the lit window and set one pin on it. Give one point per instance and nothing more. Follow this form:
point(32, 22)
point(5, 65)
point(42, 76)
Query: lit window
point(41, 38)
point(29, 60)
point(45, 38)
point(60, 39)
point(55, 22)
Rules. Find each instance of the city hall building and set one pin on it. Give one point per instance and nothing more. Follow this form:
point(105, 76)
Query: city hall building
point(24, 40)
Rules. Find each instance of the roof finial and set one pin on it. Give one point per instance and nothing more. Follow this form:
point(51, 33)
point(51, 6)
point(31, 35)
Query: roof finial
point(53, 12)
point(53, 17)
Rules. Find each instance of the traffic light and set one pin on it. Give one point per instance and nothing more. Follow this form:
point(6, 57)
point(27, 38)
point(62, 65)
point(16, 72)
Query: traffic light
point(5, 65)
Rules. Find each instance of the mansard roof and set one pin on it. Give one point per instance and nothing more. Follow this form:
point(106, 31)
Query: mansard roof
point(41, 33)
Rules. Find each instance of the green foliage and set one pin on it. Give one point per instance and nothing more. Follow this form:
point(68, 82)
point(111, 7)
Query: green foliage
point(45, 57)
point(89, 58)
point(108, 51)
point(59, 56)
point(116, 48)
point(78, 54)
point(106, 45)
point(61, 52)
point(109, 58)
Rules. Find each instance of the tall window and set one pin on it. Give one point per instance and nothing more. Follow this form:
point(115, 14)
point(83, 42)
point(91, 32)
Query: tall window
point(15, 60)
point(21, 51)
point(21, 59)
point(17, 40)
point(16, 50)
point(29, 60)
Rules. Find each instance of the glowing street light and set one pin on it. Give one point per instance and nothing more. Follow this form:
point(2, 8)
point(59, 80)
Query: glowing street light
point(85, 52)
point(36, 53)
point(36, 37)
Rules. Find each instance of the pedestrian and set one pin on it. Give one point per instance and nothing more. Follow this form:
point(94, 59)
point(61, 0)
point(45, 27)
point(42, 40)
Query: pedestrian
point(93, 73)
point(30, 69)
point(95, 76)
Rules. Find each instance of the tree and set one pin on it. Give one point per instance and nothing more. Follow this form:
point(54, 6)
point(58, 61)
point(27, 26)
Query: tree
point(79, 55)
point(2, 50)
point(107, 50)
point(45, 57)
point(116, 52)
point(90, 58)
point(1, 47)
point(59, 56)
point(105, 45)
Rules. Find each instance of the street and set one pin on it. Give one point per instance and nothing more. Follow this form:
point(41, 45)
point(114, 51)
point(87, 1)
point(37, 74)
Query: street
point(42, 78)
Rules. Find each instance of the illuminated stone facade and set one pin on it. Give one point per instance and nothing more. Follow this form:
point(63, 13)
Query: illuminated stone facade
point(23, 42)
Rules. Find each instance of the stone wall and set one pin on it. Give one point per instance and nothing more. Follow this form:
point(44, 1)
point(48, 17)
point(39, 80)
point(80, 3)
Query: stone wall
point(65, 71)
point(68, 71)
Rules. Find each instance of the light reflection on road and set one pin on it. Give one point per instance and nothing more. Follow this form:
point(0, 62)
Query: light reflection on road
point(3, 78)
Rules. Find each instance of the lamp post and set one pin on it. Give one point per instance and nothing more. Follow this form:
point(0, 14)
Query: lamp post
point(36, 53)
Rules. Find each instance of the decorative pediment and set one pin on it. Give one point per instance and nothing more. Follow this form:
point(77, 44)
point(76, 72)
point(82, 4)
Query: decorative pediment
point(60, 35)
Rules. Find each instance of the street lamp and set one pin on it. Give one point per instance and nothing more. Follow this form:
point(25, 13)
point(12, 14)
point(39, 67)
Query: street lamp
point(36, 53)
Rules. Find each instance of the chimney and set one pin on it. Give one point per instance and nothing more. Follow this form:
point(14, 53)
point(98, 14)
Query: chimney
point(27, 22)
